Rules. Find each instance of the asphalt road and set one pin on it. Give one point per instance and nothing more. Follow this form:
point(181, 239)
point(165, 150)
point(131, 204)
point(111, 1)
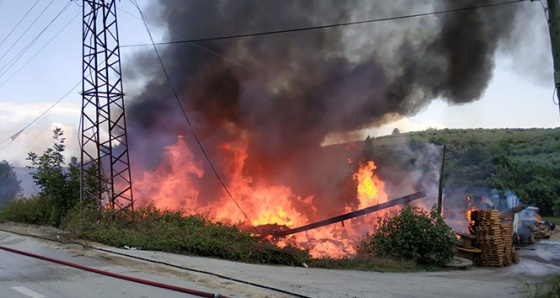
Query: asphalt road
point(18, 274)
point(23, 276)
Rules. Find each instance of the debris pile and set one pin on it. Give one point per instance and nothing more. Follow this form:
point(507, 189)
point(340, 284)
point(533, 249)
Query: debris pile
point(493, 238)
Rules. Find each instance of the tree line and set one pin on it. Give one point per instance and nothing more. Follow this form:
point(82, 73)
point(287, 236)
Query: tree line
point(523, 161)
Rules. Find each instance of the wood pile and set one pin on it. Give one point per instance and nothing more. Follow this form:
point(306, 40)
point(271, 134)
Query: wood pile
point(507, 229)
point(493, 238)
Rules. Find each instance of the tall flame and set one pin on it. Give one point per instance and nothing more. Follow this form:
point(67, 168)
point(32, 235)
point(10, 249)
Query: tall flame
point(173, 185)
point(368, 185)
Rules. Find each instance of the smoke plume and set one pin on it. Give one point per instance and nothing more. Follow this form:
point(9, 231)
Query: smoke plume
point(284, 93)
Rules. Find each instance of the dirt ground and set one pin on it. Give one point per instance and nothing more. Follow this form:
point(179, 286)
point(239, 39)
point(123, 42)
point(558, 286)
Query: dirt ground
point(248, 280)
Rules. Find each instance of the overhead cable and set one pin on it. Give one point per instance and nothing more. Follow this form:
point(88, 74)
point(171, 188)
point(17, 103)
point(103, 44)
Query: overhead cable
point(273, 32)
point(18, 56)
point(17, 25)
point(39, 51)
point(5, 143)
point(26, 30)
point(205, 49)
point(187, 117)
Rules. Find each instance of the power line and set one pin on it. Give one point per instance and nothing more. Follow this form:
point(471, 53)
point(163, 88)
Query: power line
point(22, 52)
point(206, 50)
point(17, 25)
point(14, 59)
point(193, 42)
point(273, 32)
point(9, 140)
point(38, 52)
point(187, 118)
point(246, 68)
point(545, 9)
point(26, 30)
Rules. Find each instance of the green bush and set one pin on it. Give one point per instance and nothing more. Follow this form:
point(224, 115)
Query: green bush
point(413, 234)
point(172, 231)
point(60, 185)
point(35, 210)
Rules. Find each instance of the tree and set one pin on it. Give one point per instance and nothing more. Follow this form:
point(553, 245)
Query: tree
point(60, 185)
point(10, 186)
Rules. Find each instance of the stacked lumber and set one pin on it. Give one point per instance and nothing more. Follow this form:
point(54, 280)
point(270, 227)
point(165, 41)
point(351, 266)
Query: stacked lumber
point(492, 238)
point(507, 232)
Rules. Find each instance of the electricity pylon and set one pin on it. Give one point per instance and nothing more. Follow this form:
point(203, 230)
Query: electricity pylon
point(105, 164)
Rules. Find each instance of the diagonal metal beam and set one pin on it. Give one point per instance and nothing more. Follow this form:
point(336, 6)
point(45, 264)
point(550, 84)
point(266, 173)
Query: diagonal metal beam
point(328, 221)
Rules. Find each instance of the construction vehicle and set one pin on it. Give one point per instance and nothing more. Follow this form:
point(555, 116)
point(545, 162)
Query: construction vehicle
point(528, 226)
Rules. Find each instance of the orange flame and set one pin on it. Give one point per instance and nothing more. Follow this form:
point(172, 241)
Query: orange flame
point(367, 186)
point(172, 185)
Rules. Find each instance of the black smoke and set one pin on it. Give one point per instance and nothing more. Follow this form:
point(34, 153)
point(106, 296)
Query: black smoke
point(286, 92)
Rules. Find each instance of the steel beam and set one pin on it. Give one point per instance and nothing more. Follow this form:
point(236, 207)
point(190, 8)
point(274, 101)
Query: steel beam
point(391, 203)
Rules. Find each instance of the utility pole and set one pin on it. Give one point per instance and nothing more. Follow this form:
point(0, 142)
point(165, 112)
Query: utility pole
point(554, 28)
point(105, 165)
point(440, 186)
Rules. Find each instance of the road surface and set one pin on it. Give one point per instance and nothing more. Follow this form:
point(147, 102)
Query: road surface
point(24, 277)
point(248, 280)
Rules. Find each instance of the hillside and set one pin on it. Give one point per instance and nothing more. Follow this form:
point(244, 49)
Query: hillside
point(477, 161)
point(525, 161)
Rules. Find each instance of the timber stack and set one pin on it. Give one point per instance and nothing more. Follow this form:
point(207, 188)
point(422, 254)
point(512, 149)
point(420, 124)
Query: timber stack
point(493, 238)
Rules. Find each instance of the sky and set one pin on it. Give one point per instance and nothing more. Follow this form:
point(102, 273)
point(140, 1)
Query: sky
point(520, 94)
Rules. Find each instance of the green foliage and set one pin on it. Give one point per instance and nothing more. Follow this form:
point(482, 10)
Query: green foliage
point(413, 234)
point(36, 210)
point(524, 161)
point(9, 184)
point(548, 289)
point(174, 232)
point(59, 185)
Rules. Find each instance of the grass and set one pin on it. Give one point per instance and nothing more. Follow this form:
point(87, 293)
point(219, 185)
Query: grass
point(175, 232)
point(34, 210)
point(547, 289)
point(554, 219)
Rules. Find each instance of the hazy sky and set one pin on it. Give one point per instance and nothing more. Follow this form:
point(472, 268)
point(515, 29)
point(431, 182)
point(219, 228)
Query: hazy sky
point(520, 95)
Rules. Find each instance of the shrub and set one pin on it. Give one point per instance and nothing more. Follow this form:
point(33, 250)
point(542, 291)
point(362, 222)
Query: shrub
point(172, 231)
point(413, 234)
point(60, 185)
point(35, 210)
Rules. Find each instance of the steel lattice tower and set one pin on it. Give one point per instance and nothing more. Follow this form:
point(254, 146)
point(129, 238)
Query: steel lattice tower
point(105, 164)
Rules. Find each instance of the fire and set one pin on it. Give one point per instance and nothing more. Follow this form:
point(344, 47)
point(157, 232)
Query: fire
point(175, 184)
point(169, 186)
point(367, 186)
